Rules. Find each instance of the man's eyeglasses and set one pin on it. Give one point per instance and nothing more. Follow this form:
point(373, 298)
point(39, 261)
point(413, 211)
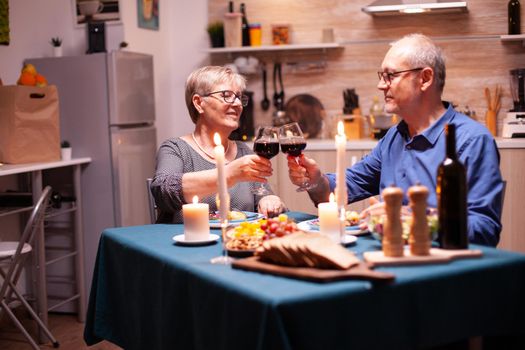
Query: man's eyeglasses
point(229, 96)
point(387, 76)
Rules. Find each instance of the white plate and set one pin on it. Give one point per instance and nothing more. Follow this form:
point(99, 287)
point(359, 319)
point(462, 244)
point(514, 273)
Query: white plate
point(180, 239)
point(217, 224)
point(307, 227)
point(349, 239)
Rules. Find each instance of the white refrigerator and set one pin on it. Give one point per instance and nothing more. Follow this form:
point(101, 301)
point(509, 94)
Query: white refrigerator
point(107, 112)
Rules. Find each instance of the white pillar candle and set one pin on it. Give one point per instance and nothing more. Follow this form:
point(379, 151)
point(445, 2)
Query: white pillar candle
point(341, 192)
point(329, 219)
point(224, 200)
point(196, 220)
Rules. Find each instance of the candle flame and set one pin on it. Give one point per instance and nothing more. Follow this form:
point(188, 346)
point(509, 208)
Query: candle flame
point(332, 197)
point(195, 199)
point(217, 139)
point(340, 129)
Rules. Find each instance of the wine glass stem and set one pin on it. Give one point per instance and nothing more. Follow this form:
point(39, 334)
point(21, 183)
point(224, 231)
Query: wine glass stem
point(224, 226)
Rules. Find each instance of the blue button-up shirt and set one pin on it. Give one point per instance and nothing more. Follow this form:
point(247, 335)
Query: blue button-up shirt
point(404, 161)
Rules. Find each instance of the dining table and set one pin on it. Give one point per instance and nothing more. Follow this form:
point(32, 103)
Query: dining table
point(149, 292)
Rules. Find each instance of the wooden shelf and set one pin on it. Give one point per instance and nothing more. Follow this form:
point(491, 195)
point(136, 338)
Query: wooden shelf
point(514, 37)
point(271, 48)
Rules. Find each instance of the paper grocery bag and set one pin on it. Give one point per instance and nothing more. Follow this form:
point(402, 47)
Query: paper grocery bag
point(29, 124)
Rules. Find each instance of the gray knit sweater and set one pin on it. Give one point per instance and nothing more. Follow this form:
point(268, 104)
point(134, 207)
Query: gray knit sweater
point(175, 158)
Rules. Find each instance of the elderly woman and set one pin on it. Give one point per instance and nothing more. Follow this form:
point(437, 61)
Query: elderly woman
point(186, 165)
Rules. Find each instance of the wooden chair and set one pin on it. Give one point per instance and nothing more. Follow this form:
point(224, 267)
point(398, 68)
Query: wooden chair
point(12, 257)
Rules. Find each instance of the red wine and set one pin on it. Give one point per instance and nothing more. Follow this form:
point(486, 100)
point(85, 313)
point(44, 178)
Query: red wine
point(451, 193)
point(294, 149)
point(266, 149)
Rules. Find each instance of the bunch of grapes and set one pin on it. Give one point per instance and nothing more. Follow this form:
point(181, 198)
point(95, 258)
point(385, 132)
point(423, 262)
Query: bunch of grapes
point(278, 227)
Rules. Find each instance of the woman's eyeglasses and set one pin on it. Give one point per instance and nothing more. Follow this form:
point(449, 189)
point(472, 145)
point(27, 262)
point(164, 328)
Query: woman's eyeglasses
point(387, 76)
point(229, 96)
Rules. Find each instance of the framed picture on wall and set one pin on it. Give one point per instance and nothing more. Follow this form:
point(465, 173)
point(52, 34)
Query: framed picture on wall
point(148, 14)
point(96, 10)
point(4, 22)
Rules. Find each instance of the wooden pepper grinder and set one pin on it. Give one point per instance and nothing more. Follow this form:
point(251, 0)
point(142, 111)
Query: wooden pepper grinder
point(419, 239)
point(392, 229)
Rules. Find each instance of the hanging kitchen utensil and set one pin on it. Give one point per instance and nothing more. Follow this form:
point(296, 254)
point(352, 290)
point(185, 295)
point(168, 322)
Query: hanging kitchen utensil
point(265, 103)
point(278, 95)
point(281, 86)
point(275, 93)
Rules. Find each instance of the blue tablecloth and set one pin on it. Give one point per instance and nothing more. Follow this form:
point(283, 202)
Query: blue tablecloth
point(148, 293)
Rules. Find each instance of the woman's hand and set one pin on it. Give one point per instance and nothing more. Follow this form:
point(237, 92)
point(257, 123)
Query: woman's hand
point(302, 170)
point(271, 206)
point(248, 168)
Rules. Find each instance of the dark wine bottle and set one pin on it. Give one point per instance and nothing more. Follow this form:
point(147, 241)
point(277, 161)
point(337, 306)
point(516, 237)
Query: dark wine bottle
point(514, 17)
point(245, 27)
point(230, 7)
point(452, 197)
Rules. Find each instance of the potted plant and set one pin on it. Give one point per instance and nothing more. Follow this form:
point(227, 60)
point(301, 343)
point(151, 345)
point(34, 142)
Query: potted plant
point(66, 150)
point(56, 42)
point(216, 33)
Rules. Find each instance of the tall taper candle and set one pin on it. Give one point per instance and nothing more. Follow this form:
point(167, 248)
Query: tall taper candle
point(224, 200)
point(341, 193)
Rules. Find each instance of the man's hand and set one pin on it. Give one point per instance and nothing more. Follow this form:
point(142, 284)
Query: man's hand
point(302, 170)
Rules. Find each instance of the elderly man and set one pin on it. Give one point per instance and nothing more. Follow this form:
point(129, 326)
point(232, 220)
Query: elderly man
point(412, 78)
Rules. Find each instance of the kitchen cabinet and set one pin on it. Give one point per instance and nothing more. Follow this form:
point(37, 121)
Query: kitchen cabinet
point(61, 238)
point(512, 165)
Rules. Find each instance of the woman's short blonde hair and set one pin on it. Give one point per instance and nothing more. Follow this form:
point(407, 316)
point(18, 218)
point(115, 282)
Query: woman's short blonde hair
point(203, 80)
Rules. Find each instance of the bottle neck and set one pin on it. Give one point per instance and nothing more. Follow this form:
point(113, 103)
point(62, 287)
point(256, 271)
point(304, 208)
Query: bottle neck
point(450, 131)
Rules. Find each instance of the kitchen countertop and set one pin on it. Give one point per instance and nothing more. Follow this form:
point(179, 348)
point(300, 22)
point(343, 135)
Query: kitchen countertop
point(368, 144)
point(11, 169)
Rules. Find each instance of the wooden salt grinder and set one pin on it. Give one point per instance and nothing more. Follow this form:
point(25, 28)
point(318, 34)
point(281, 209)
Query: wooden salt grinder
point(419, 239)
point(392, 229)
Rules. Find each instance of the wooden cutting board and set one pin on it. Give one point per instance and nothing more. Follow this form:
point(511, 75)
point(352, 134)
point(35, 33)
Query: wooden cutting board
point(437, 256)
point(359, 272)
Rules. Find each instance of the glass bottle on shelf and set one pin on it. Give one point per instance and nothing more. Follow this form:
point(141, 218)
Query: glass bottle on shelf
point(245, 27)
point(514, 17)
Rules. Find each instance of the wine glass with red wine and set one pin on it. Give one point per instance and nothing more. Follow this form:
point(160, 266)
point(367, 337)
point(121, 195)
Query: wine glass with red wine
point(266, 145)
point(293, 143)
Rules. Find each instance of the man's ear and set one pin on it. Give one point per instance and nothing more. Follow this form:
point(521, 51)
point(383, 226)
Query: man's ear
point(197, 103)
point(427, 78)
